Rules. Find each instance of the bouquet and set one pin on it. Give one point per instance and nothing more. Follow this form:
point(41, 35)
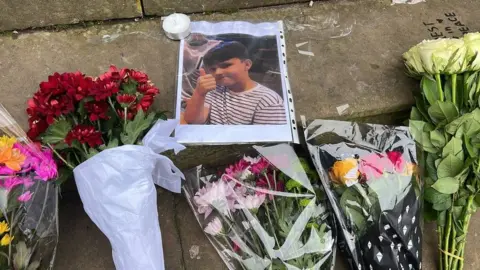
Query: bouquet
point(446, 125)
point(265, 211)
point(95, 126)
point(79, 116)
point(28, 200)
point(369, 172)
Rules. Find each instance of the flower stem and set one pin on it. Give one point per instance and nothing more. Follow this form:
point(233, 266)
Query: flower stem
point(438, 79)
point(454, 90)
point(271, 225)
point(270, 187)
point(60, 157)
point(440, 235)
point(125, 119)
point(447, 239)
point(466, 223)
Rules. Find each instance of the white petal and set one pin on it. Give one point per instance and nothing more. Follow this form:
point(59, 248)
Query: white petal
point(392, 246)
point(404, 230)
point(380, 238)
point(407, 208)
point(395, 236)
point(413, 221)
point(386, 227)
point(399, 219)
point(369, 245)
point(410, 245)
point(371, 267)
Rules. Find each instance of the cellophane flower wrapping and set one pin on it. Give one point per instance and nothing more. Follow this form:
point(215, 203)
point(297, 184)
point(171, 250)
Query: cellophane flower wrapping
point(28, 200)
point(266, 210)
point(370, 176)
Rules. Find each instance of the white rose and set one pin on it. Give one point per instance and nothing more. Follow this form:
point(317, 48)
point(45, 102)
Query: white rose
point(413, 60)
point(472, 43)
point(443, 56)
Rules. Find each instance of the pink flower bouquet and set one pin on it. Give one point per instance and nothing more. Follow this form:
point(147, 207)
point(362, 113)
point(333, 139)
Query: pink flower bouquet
point(265, 211)
point(28, 200)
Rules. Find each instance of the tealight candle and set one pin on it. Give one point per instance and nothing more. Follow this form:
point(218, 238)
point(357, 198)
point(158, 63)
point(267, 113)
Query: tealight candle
point(177, 26)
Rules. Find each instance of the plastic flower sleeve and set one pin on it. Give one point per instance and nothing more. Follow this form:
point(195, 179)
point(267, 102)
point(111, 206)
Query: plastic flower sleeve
point(28, 200)
point(369, 172)
point(265, 211)
point(117, 188)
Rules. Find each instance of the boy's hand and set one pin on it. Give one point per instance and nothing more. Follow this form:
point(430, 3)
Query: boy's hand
point(205, 83)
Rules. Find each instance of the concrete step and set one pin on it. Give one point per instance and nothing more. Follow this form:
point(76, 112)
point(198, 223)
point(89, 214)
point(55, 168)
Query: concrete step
point(362, 69)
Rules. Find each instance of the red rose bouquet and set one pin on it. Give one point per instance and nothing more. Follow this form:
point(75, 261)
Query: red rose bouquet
point(78, 116)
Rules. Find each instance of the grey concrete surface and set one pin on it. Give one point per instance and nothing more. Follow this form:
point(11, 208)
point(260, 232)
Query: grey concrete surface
point(165, 7)
point(21, 14)
point(362, 69)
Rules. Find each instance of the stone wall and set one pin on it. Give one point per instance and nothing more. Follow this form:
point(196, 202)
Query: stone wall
point(22, 14)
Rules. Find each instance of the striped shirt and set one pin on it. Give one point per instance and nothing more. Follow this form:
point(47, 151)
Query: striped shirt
point(258, 106)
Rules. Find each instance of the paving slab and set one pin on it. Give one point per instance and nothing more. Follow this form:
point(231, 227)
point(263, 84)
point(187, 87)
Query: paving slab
point(23, 14)
point(166, 7)
point(362, 69)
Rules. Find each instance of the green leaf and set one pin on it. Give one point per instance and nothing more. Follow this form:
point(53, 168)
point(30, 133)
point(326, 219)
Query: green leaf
point(22, 255)
point(416, 115)
point(447, 185)
point(92, 152)
point(135, 128)
point(130, 87)
point(454, 147)
point(304, 202)
point(430, 165)
point(440, 111)
point(292, 184)
point(437, 138)
point(444, 205)
point(56, 132)
point(113, 143)
point(429, 89)
point(450, 166)
point(453, 126)
point(422, 108)
point(64, 174)
point(472, 151)
point(432, 196)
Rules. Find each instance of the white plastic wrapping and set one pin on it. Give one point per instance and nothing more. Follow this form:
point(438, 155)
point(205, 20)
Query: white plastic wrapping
point(118, 193)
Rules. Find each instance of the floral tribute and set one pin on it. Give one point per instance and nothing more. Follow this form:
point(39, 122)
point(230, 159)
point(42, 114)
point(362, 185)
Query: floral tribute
point(370, 174)
point(264, 212)
point(78, 116)
point(445, 123)
point(25, 170)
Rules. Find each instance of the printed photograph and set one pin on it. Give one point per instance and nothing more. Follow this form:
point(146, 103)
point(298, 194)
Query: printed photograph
point(232, 79)
point(232, 85)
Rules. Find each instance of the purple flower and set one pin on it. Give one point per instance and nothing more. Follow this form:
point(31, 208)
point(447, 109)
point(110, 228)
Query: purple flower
point(25, 196)
point(12, 182)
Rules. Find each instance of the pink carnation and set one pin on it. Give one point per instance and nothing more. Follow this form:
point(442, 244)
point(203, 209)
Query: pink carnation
point(260, 167)
point(25, 196)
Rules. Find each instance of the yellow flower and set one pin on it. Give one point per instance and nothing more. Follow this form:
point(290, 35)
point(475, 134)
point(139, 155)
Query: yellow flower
point(4, 227)
point(345, 172)
point(6, 240)
point(7, 142)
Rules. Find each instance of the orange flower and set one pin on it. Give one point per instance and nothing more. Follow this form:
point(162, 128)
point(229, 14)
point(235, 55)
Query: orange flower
point(345, 172)
point(12, 158)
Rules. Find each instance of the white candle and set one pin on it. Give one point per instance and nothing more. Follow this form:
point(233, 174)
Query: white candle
point(177, 26)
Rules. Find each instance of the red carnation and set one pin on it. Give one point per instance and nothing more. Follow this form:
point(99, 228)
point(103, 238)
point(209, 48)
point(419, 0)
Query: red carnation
point(114, 74)
point(145, 103)
point(84, 134)
point(97, 110)
point(147, 89)
point(37, 126)
point(126, 100)
point(79, 86)
point(104, 89)
point(131, 112)
point(138, 76)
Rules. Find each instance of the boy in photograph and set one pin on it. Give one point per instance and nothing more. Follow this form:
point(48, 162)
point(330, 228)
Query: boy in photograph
point(226, 95)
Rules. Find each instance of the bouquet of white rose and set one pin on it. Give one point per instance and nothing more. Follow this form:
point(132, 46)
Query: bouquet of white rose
point(446, 124)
